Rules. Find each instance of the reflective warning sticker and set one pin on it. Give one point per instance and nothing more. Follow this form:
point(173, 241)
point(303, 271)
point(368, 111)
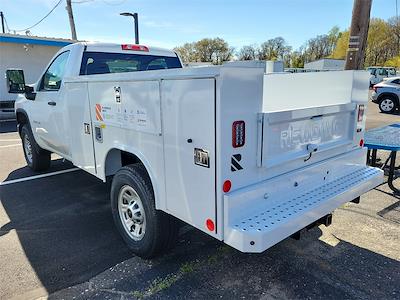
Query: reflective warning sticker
point(235, 162)
point(99, 116)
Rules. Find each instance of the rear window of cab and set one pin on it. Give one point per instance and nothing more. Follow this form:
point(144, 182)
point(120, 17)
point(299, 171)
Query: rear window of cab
point(105, 62)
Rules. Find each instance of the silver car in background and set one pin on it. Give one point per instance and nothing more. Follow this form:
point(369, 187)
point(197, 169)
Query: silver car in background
point(387, 94)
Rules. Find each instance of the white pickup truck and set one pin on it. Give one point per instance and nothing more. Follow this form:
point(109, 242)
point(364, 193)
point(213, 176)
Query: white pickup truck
point(248, 157)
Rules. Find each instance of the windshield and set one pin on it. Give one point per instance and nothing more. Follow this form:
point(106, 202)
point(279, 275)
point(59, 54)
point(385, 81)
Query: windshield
point(103, 63)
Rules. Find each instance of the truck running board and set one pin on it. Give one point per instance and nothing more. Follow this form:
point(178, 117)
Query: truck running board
point(272, 220)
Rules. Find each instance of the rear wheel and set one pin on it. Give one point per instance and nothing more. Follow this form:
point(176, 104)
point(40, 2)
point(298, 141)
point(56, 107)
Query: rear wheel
point(36, 158)
point(146, 230)
point(387, 104)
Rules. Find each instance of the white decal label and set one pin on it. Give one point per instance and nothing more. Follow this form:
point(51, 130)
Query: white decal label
point(141, 117)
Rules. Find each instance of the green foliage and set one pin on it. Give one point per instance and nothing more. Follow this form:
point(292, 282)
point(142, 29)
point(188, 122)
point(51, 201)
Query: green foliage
point(214, 50)
point(342, 43)
point(393, 62)
point(383, 47)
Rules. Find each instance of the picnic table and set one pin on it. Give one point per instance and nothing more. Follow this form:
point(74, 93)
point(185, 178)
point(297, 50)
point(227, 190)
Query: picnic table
point(384, 138)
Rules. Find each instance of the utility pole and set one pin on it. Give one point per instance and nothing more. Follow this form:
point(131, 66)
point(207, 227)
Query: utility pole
point(2, 22)
point(71, 20)
point(358, 35)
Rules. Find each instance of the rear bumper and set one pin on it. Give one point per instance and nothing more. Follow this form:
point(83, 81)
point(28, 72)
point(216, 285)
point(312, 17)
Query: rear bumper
point(276, 215)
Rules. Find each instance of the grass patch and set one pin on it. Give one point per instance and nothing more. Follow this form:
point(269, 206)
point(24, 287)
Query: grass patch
point(160, 284)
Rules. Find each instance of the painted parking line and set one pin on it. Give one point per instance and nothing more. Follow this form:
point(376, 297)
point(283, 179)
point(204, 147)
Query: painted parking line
point(13, 145)
point(38, 176)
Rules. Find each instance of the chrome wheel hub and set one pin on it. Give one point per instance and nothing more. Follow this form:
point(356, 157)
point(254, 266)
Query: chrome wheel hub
point(28, 148)
point(131, 212)
point(387, 104)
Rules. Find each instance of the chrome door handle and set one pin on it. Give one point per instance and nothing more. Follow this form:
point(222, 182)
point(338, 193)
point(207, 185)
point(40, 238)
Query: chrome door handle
point(52, 103)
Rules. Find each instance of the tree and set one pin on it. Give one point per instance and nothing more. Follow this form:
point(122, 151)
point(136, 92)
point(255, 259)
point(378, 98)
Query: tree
point(394, 24)
point(249, 52)
point(380, 43)
point(393, 62)
point(296, 59)
point(214, 50)
point(342, 44)
point(274, 49)
point(187, 52)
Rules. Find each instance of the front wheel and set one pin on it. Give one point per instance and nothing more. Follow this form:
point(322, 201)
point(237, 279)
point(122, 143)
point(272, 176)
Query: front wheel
point(146, 230)
point(387, 105)
point(36, 158)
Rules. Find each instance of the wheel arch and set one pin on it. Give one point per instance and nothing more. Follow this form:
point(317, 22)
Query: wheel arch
point(117, 158)
point(22, 118)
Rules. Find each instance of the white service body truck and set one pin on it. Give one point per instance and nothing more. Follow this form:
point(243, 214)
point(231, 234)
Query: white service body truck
point(248, 157)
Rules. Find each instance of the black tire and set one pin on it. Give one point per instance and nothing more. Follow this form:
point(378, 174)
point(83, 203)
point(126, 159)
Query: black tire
point(38, 159)
point(161, 229)
point(388, 104)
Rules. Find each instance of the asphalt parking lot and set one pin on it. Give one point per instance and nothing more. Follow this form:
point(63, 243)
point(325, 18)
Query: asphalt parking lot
point(57, 240)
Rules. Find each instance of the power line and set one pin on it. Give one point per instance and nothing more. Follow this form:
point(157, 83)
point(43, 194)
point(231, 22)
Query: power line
point(42, 19)
point(5, 21)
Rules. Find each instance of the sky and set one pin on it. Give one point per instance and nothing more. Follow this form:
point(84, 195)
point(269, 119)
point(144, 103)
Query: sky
point(170, 23)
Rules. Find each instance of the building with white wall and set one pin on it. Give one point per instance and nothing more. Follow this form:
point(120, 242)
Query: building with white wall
point(28, 53)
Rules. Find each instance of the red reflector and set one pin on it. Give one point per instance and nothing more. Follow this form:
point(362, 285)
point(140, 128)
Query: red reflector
point(238, 134)
point(360, 113)
point(134, 47)
point(210, 225)
point(227, 186)
point(361, 142)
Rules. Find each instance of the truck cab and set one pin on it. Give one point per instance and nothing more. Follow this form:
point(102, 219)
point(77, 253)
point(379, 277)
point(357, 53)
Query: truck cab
point(46, 101)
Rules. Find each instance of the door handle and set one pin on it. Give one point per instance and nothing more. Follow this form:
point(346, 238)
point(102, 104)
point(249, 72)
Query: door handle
point(52, 103)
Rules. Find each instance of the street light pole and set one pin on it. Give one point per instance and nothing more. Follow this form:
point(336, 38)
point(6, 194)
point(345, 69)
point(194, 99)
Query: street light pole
point(136, 24)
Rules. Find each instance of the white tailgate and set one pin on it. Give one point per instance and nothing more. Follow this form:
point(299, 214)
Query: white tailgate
point(288, 136)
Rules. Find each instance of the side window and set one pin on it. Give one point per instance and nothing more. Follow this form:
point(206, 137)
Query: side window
point(157, 64)
point(382, 72)
point(397, 81)
point(52, 78)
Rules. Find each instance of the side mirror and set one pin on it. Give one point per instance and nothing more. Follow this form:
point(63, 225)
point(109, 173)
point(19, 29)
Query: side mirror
point(15, 81)
point(16, 84)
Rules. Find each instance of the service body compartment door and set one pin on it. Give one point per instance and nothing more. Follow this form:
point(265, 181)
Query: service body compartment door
point(188, 113)
point(80, 126)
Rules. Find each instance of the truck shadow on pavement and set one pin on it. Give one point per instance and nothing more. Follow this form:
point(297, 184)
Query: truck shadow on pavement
point(65, 228)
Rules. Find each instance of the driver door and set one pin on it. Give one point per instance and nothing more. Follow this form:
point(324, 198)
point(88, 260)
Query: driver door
point(48, 109)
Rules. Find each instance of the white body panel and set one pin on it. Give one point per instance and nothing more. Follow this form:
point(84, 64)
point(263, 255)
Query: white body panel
point(190, 189)
point(170, 118)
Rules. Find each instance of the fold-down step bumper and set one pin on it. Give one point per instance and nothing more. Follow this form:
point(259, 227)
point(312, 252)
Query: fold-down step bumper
point(254, 225)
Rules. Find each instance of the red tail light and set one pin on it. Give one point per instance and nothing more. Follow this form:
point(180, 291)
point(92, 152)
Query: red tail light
point(238, 134)
point(360, 113)
point(134, 47)
point(226, 187)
